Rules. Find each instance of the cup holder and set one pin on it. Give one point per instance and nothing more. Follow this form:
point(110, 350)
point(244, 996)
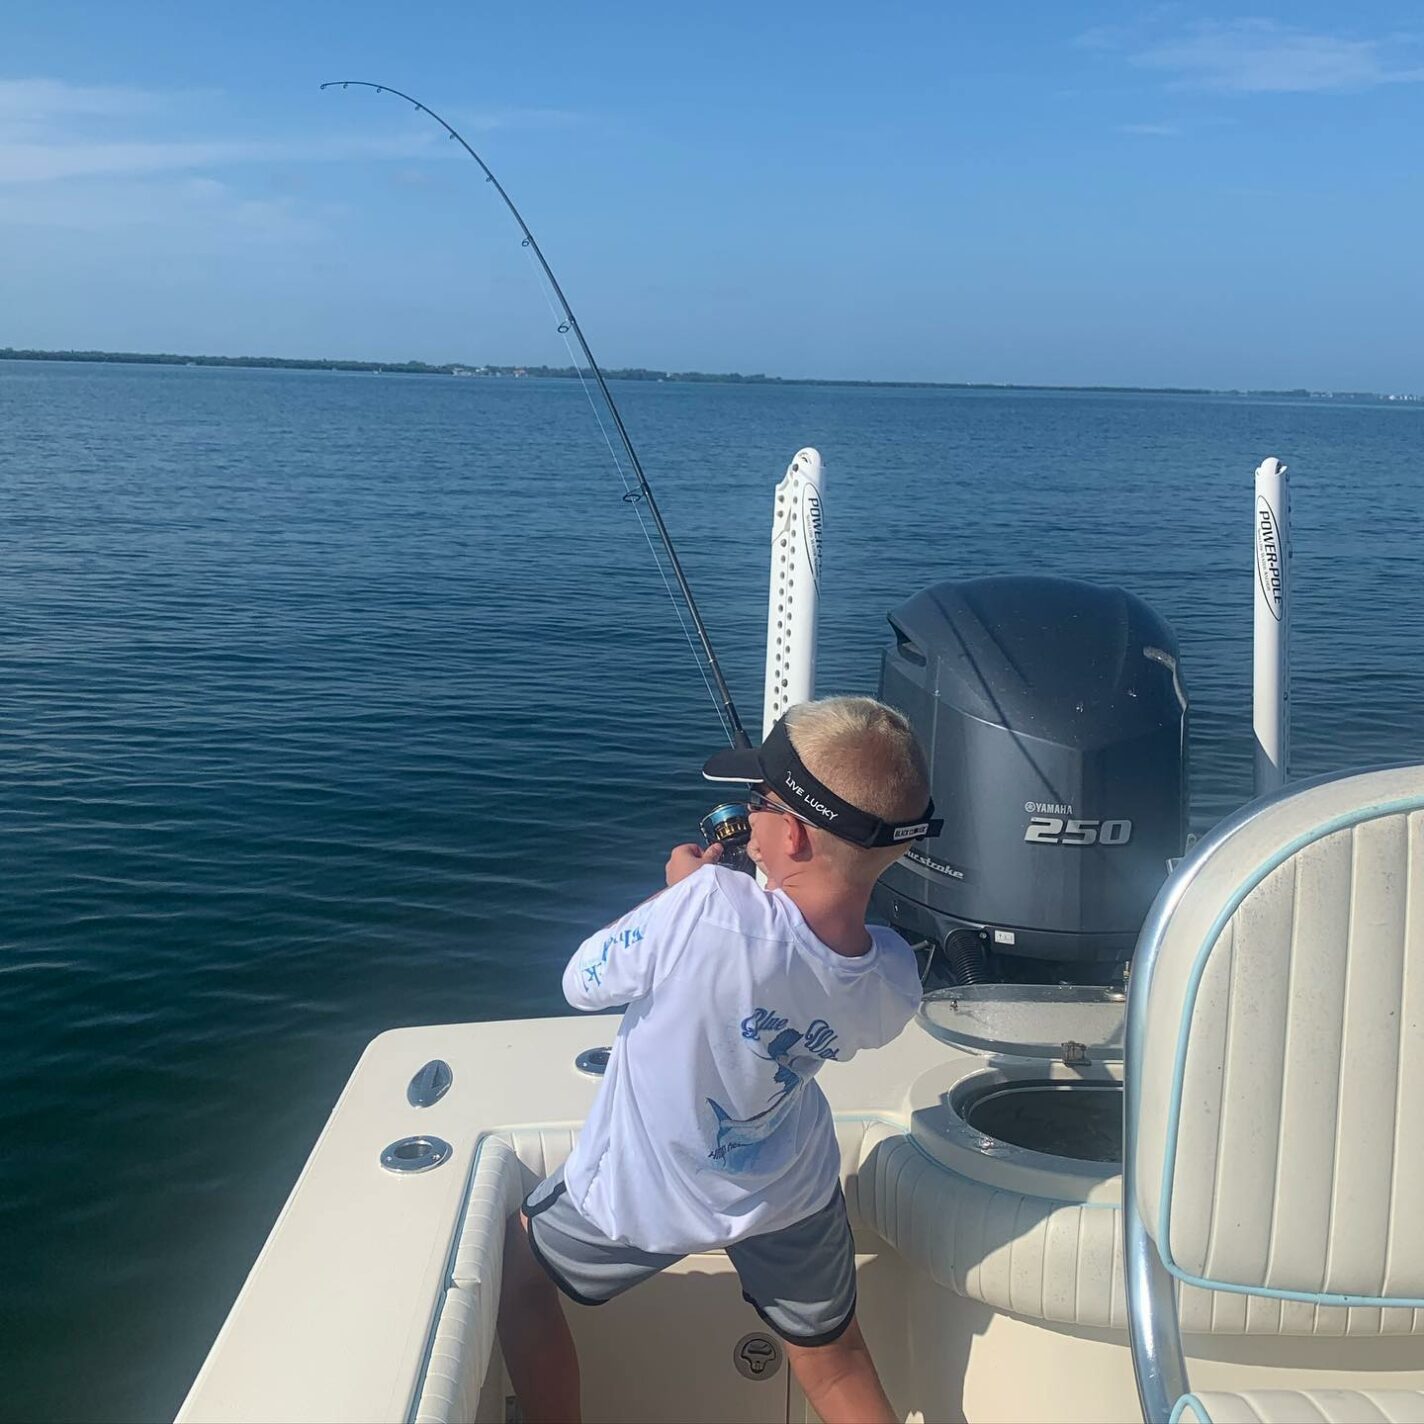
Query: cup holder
point(1074, 1118)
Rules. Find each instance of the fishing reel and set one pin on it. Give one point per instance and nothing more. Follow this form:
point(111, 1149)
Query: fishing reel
point(729, 826)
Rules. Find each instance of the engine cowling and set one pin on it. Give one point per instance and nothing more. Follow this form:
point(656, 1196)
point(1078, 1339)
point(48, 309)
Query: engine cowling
point(1054, 718)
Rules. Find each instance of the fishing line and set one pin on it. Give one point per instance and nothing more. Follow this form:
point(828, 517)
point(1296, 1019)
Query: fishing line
point(642, 493)
point(631, 495)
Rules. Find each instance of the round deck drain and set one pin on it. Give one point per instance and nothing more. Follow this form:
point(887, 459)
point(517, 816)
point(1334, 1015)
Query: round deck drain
point(593, 1061)
point(756, 1356)
point(415, 1154)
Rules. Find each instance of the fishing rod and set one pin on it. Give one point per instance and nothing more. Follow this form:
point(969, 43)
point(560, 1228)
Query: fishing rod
point(644, 491)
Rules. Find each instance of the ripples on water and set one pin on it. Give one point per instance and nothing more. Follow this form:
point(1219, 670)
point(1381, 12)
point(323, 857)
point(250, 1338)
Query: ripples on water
point(333, 703)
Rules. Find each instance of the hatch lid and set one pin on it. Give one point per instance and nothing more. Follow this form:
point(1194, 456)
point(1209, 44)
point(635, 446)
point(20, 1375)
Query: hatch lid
point(1071, 1022)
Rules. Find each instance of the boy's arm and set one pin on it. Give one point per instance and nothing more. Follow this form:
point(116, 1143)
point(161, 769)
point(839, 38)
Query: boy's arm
point(614, 966)
point(617, 965)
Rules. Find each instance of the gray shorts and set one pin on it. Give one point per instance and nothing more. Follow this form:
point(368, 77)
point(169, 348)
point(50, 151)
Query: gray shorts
point(800, 1280)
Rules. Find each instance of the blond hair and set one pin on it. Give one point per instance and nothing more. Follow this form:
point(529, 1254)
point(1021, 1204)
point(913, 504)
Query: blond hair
point(867, 754)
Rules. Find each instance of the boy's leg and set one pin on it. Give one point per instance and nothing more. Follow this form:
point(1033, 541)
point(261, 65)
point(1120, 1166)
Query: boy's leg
point(550, 1248)
point(801, 1280)
point(840, 1380)
point(537, 1343)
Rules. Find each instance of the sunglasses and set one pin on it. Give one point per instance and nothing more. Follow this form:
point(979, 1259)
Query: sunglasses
point(758, 801)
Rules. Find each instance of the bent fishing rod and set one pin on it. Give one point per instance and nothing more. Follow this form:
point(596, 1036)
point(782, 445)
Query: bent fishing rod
point(569, 323)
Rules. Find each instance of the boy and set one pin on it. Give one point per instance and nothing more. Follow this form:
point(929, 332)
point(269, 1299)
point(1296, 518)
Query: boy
point(708, 1130)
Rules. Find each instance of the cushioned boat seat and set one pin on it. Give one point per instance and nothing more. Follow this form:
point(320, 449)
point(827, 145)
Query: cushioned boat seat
point(1275, 1060)
point(1054, 1260)
point(1044, 1259)
point(1313, 1406)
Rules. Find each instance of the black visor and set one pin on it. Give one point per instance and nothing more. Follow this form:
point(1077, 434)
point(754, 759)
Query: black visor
point(776, 764)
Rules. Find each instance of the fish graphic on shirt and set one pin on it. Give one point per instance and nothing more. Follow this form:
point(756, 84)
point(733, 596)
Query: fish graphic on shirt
point(739, 1139)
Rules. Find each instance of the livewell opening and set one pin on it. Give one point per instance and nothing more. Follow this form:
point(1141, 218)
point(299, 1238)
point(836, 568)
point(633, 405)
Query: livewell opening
point(1081, 1120)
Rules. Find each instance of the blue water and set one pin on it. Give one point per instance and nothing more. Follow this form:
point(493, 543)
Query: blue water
point(330, 703)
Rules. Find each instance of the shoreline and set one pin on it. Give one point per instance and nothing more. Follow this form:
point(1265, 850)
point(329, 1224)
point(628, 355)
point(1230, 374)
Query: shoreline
point(638, 373)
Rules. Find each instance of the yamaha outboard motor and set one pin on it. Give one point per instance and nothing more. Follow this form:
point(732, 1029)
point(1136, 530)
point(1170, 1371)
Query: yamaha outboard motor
point(1055, 723)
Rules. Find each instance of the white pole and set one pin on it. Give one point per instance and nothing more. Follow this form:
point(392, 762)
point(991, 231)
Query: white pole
point(1271, 682)
point(795, 587)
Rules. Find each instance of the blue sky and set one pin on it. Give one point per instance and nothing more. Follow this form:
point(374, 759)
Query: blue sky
point(1052, 192)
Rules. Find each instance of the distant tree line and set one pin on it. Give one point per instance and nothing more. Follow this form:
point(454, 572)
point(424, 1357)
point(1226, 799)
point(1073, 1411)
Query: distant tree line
point(168, 358)
point(630, 373)
point(450, 368)
point(419, 368)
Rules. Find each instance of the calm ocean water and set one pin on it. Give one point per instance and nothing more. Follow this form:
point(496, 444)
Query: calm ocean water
point(333, 703)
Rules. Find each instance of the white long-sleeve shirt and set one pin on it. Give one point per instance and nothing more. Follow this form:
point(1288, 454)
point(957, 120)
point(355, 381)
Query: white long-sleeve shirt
point(708, 1126)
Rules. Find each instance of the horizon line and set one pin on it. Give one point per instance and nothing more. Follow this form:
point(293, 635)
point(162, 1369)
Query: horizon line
point(640, 373)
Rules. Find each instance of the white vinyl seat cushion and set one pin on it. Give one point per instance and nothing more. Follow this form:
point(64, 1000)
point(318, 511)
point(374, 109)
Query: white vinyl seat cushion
point(1283, 1056)
point(465, 1322)
point(1275, 1062)
point(1039, 1258)
point(1054, 1260)
point(1312, 1406)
